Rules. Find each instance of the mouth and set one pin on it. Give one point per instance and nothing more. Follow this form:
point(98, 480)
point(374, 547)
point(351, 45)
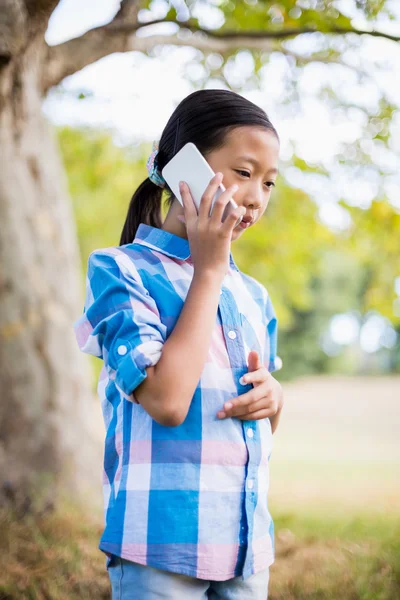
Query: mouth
point(246, 222)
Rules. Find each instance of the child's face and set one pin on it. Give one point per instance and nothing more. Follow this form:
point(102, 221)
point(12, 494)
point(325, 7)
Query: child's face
point(255, 180)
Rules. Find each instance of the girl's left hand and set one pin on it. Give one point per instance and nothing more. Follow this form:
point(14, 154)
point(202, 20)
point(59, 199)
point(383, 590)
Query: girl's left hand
point(264, 400)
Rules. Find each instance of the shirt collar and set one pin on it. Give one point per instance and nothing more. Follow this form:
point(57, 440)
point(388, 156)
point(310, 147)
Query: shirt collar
point(167, 243)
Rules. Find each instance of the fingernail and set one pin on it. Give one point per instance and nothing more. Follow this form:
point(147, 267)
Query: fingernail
point(221, 415)
point(228, 405)
point(181, 184)
point(181, 218)
point(242, 381)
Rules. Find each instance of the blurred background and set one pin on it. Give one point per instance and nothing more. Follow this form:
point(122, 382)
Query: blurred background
point(327, 249)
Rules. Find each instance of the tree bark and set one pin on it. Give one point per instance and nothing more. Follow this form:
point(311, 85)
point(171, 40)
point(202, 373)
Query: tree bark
point(49, 419)
point(50, 423)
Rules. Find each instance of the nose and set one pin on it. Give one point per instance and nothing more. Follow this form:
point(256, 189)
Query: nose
point(252, 202)
point(253, 197)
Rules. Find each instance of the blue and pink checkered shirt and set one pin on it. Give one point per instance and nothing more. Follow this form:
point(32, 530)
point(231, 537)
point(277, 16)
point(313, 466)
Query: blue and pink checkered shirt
point(191, 499)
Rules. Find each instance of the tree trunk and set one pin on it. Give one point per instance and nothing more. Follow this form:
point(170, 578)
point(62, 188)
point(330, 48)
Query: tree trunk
point(50, 421)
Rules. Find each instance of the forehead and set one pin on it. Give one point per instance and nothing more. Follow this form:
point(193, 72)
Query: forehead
point(257, 142)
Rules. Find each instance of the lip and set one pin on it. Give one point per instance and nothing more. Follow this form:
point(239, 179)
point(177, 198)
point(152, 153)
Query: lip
point(246, 221)
point(245, 224)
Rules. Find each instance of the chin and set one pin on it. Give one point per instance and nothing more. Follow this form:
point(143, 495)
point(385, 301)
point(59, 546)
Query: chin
point(236, 233)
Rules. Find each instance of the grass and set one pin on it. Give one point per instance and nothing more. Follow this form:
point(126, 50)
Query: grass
point(334, 493)
point(318, 556)
point(334, 496)
point(53, 556)
point(352, 557)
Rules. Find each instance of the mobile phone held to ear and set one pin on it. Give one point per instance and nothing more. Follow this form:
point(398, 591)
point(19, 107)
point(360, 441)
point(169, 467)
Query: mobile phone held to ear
point(189, 165)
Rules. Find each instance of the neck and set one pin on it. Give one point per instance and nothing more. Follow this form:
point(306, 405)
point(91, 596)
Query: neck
point(172, 224)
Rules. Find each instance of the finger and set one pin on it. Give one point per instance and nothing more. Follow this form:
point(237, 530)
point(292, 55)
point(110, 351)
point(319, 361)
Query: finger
point(235, 404)
point(259, 376)
point(256, 416)
point(241, 404)
point(189, 206)
point(230, 222)
point(208, 195)
point(255, 406)
point(254, 361)
point(220, 204)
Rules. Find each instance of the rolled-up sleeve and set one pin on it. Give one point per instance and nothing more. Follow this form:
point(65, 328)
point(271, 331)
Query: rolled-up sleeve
point(273, 362)
point(121, 323)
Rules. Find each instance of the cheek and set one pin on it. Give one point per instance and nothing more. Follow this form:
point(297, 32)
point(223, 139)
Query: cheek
point(263, 209)
point(237, 232)
point(228, 179)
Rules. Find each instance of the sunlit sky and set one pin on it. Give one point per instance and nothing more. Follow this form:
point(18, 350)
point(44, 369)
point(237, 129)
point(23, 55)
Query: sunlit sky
point(123, 93)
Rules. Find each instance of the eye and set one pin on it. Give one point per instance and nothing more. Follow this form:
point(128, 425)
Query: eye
point(270, 184)
point(242, 173)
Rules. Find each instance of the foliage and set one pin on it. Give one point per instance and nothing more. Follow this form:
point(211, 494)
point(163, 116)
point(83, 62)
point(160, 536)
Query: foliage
point(351, 90)
point(276, 24)
point(310, 272)
point(375, 240)
point(266, 15)
point(284, 250)
point(101, 179)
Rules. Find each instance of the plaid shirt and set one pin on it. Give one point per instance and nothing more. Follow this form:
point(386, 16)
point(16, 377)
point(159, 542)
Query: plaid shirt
point(190, 499)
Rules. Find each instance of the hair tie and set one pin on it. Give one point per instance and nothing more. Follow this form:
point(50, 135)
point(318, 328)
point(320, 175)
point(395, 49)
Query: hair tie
point(152, 168)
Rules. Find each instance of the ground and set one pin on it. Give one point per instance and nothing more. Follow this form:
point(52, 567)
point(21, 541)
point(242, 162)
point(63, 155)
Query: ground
point(337, 444)
point(334, 497)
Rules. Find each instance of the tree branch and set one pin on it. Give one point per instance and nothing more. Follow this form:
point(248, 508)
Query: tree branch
point(243, 35)
point(128, 11)
point(320, 57)
point(68, 58)
point(118, 36)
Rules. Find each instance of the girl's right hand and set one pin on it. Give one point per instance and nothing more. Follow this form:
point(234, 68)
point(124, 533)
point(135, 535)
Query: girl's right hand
point(209, 237)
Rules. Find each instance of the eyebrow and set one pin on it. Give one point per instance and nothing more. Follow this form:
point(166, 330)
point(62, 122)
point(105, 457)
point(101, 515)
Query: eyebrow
point(255, 162)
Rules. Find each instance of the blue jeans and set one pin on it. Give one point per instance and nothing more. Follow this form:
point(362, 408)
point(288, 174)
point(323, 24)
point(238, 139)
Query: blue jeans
point(131, 581)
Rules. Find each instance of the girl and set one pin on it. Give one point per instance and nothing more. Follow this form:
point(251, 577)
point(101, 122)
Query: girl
point(188, 343)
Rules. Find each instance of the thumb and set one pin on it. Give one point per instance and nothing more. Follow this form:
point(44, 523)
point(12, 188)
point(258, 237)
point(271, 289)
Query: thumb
point(254, 361)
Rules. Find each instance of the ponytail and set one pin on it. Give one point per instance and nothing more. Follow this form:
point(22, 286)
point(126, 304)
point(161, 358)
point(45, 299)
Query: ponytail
point(144, 207)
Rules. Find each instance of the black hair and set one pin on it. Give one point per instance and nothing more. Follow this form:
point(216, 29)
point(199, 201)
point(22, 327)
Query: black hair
point(204, 118)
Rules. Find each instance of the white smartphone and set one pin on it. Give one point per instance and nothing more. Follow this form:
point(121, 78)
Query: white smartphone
point(189, 165)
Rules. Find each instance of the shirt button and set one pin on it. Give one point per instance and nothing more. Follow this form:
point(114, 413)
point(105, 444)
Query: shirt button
point(122, 349)
point(232, 334)
point(250, 484)
point(250, 433)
